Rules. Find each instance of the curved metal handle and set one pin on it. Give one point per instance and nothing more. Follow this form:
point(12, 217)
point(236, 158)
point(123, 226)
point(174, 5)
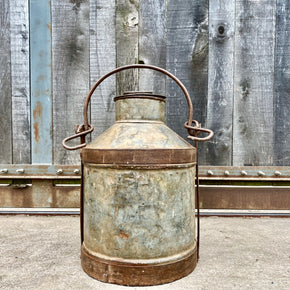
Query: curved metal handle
point(125, 67)
point(86, 127)
point(80, 132)
point(194, 131)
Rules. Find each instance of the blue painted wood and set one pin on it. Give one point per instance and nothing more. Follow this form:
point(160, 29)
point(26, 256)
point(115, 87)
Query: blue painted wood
point(41, 92)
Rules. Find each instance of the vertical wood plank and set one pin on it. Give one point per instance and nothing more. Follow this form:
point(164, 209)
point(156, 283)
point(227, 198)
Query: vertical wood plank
point(282, 86)
point(5, 84)
point(220, 81)
point(253, 82)
point(127, 20)
point(152, 44)
point(19, 25)
point(187, 58)
point(102, 60)
point(40, 76)
point(70, 46)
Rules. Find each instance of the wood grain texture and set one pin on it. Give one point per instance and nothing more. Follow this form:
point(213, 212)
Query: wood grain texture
point(70, 46)
point(187, 58)
point(127, 21)
point(220, 81)
point(253, 83)
point(282, 85)
point(40, 80)
point(5, 84)
point(19, 29)
point(152, 44)
point(102, 60)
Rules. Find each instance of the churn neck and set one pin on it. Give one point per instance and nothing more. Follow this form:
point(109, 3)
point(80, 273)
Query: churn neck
point(140, 106)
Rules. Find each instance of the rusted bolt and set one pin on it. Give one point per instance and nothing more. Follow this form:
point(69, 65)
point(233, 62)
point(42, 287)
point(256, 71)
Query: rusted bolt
point(20, 170)
point(277, 173)
point(76, 171)
point(59, 171)
point(261, 173)
point(244, 173)
point(3, 171)
point(209, 172)
point(227, 173)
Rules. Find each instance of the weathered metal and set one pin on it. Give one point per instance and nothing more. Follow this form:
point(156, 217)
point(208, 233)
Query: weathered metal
point(138, 207)
point(138, 192)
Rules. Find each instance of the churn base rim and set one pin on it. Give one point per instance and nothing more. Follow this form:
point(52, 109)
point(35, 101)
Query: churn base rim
point(129, 274)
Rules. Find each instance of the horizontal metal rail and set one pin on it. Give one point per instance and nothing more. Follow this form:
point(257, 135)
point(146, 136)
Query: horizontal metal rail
point(276, 173)
point(203, 212)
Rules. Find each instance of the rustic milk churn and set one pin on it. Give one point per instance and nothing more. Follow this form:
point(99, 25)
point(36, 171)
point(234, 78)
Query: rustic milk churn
point(138, 192)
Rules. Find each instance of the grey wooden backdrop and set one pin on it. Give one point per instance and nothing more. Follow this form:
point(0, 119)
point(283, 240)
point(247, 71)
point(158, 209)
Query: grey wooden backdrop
point(233, 56)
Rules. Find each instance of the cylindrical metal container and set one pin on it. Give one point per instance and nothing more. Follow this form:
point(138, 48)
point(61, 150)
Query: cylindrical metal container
point(138, 187)
point(138, 194)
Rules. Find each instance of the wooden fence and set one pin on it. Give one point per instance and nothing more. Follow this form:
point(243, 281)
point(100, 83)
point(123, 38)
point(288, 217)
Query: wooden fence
point(233, 56)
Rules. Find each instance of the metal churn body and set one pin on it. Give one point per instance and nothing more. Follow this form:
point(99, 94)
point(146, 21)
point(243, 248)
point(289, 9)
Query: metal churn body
point(138, 196)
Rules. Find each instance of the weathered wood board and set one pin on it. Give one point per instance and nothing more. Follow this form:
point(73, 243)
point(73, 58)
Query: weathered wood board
point(20, 69)
point(70, 47)
point(127, 19)
point(102, 60)
point(5, 84)
point(282, 86)
point(220, 81)
point(187, 52)
point(40, 79)
point(253, 83)
point(233, 57)
point(152, 44)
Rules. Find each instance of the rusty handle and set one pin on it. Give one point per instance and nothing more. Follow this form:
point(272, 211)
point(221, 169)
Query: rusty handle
point(125, 67)
point(193, 131)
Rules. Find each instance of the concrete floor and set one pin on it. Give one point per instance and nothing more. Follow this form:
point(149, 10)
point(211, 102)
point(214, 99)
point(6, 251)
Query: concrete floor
point(39, 252)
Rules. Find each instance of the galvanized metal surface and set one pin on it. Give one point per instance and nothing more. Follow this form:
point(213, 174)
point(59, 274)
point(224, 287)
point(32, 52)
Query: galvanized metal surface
point(136, 209)
point(131, 213)
point(127, 108)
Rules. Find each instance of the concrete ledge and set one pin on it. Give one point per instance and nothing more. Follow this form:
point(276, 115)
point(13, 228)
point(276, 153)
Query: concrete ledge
point(43, 252)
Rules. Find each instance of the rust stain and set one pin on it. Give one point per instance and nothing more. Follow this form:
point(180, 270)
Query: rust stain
point(36, 131)
point(123, 235)
point(37, 112)
point(49, 27)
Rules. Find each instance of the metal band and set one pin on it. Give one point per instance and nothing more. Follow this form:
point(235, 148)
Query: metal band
point(135, 274)
point(139, 156)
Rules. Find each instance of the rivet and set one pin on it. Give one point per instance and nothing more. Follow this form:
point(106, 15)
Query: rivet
point(76, 171)
point(244, 173)
point(59, 171)
point(3, 171)
point(209, 172)
point(261, 173)
point(20, 170)
point(278, 173)
point(227, 173)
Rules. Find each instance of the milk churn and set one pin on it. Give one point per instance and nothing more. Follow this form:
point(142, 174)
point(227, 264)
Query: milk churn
point(138, 192)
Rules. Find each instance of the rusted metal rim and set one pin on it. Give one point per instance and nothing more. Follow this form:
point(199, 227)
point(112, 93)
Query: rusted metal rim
point(140, 95)
point(139, 156)
point(130, 274)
